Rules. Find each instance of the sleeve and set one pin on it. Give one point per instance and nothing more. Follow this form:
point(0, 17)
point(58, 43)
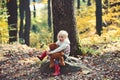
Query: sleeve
point(60, 48)
point(57, 42)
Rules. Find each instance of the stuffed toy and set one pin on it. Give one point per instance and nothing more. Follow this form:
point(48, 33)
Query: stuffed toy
point(58, 55)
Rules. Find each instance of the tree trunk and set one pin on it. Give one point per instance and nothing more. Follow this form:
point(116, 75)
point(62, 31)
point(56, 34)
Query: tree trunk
point(98, 16)
point(78, 4)
point(84, 1)
point(12, 20)
point(89, 3)
point(63, 19)
point(21, 9)
point(34, 12)
point(25, 28)
point(49, 15)
point(27, 23)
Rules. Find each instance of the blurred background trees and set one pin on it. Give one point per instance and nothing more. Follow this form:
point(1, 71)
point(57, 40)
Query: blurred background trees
point(32, 22)
point(12, 19)
point(98, 16)
point(25, 16)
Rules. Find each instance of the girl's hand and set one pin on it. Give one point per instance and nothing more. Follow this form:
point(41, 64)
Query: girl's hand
point(48, 53)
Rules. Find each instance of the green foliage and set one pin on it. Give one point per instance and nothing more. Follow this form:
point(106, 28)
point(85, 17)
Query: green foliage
point(89, 50)
point(86, 23)
point(3, 10)
point(3, 31)
point(35, 26)
point(41, 39)
point(3, 22)
point(111, 13)
point(40, 36)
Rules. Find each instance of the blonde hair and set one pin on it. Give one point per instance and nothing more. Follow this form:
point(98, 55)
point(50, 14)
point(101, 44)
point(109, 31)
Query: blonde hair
point(63, 33)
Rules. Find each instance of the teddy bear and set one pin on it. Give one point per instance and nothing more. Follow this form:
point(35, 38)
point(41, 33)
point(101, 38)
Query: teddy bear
point(58, 55)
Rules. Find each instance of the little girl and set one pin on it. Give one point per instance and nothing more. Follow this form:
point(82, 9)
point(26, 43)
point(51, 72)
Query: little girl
point(64, 45)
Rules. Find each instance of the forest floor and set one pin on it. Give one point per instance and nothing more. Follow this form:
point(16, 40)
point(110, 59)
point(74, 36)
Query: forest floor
point(19, 62)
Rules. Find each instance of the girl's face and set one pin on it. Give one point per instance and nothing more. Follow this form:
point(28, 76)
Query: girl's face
point(61, 38)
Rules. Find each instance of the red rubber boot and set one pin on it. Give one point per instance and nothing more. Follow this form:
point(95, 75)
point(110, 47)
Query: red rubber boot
point(42, 56)
point(57, 70)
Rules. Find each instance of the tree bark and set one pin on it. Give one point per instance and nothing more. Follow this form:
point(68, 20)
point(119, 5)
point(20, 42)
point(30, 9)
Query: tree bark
point(84, 1)
point(21, 9)
point(34, 12)
point(89, 3)
point(63, 19)
point(78, 4)
point(98, 16)
point(12, 20)
point(25, 28)
point(27, 23)
point(49, 15)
